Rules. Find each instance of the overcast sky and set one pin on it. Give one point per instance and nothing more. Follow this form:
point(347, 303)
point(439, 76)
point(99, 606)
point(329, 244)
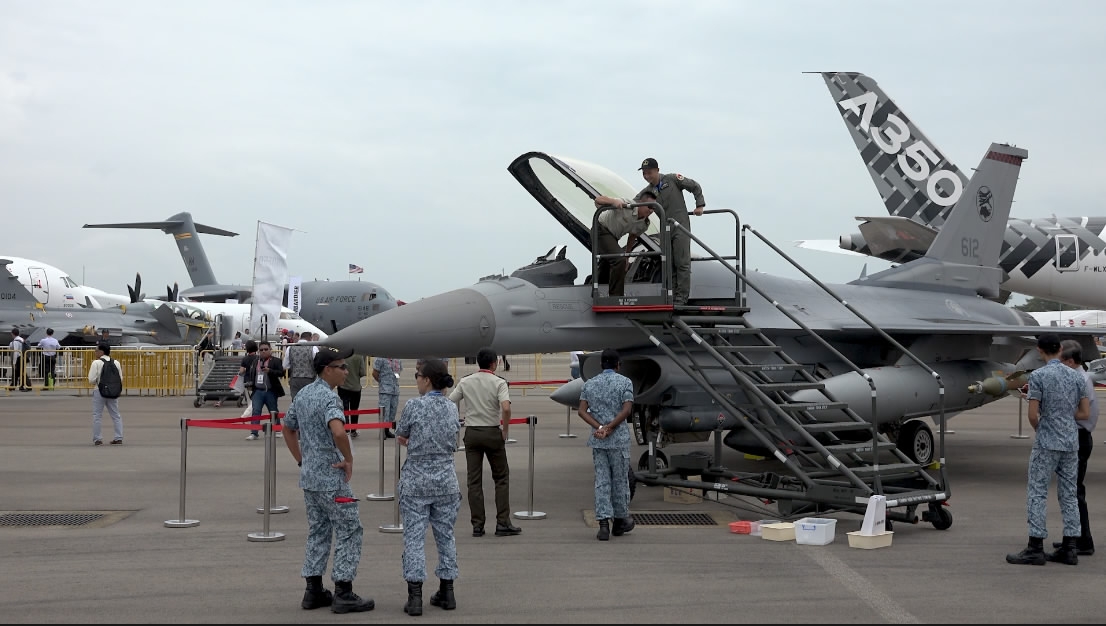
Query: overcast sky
point(381, 131)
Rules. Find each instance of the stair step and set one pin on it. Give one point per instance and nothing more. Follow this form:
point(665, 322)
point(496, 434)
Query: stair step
point(857, 446)
point(910, 497)
point(693, 320)
point(769, 367)
point(826, 427)
point(817, 406)
point(791, 386)
point(753, 348)
point(885, 469)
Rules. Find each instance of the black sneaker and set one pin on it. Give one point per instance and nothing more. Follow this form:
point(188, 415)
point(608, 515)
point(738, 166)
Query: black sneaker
point(507, 530)
point(477, 531)
point(349, 602)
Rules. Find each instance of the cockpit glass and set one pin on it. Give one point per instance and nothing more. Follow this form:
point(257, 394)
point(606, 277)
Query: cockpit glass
point(576, 200)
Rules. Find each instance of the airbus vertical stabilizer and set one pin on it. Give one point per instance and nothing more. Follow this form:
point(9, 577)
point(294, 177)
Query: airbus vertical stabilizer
point(964, 256)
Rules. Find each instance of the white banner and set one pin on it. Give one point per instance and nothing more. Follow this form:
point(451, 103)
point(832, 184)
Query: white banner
point(270, 274)
point(295, 287)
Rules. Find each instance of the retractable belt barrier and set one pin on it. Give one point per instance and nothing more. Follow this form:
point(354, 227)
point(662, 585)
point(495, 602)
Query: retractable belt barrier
point(269, 427)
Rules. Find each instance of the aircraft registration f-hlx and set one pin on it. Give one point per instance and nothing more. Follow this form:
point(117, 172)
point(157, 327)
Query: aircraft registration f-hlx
point(800, 371)
point(1056, 258)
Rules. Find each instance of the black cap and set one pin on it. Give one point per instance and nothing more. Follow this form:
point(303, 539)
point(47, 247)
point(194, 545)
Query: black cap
point(328, 355)
point(649, 164)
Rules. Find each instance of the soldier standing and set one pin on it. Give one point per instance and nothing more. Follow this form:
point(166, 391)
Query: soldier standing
point(386, 374)
point(669, 190)
point(605, 404)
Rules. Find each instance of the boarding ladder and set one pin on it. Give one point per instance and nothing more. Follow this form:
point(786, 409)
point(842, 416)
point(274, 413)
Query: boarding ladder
point(827, 465)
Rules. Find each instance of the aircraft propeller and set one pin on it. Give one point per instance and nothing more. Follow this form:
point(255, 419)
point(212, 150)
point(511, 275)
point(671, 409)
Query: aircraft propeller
point(135, 292)
point(172, 293)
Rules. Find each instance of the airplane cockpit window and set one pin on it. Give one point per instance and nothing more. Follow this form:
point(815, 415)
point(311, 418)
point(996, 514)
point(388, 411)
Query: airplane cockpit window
point(578, 202)
point(68, 282)
point(290, 315)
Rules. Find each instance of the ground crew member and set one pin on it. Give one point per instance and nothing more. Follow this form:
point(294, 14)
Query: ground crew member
point(605, 404)
point(1072, 356)
point(669, 189)
point(614, 224)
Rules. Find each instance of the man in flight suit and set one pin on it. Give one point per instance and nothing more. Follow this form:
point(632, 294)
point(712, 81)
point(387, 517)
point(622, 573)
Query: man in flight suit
point(669, 189)
point(614, 224)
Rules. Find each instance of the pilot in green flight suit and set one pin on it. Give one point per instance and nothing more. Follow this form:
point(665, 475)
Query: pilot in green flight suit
point(669, 189)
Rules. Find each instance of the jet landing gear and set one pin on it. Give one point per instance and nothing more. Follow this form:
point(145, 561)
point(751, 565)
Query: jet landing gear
point(916, 441)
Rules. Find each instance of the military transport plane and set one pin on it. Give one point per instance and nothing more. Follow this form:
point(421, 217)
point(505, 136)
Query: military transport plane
point(329, 305)
point(784, 367)
point(1056, 258)
point(138, 323)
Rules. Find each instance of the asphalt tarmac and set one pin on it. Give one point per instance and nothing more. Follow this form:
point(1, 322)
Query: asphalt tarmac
point(127, 566)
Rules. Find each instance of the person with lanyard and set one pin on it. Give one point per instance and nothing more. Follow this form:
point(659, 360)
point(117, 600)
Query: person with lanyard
point(669, 190)
point(386, 374)
point(318, 442)
point(49, 346)
point(429, 493)
point(605, 404)
point(264, 377)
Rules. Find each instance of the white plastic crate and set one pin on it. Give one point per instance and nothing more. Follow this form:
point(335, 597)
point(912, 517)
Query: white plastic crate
point(815, 531)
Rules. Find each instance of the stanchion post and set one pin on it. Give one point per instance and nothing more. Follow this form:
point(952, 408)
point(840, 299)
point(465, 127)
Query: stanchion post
point(380, 495)
point(266, 534)
point(532, 420)
point(181, 521)
point(396, 526)
point(1021, 403)
point(568, 425)
point(270, 469)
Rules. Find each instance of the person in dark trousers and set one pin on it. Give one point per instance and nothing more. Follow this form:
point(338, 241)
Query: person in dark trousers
point(669, 190)
point(487, 420)
point(1072, 356)
point(318, 442)
point(263, 380)
point(350, 389)
point(429, 494)
point(614, 224)
point(1056, 394)
point(18, 347)
point(49, 346)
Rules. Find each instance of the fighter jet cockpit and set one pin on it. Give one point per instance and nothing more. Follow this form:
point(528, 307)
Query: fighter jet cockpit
point(567, 188)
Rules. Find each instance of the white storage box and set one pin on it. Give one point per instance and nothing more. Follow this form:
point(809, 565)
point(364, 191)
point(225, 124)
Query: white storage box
point(756, 526)
point(815, 531)
point(870, 542)
point(784, 531)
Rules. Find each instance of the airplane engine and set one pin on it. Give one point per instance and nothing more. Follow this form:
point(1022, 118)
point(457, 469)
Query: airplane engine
point(907, 391)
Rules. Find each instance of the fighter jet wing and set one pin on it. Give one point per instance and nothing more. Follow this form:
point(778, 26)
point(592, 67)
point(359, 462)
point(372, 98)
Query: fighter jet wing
point(825, 245)
point(959, 327)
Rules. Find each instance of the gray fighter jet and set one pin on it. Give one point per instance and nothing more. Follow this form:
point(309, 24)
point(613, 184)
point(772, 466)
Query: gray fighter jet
point(329, 305)
point(794, 369)
point(137, 323)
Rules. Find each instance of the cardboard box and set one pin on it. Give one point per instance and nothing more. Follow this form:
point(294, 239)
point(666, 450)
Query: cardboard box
point(679, 495)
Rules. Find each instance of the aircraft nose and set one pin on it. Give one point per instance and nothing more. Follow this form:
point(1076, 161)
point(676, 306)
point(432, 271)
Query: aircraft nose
point(456, 323)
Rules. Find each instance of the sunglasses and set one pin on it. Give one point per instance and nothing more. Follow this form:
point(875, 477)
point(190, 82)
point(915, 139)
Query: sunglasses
point(343, 366)
point(418, 376)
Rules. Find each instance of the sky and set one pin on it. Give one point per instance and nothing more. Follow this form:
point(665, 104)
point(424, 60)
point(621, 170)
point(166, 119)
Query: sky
point(381, 131)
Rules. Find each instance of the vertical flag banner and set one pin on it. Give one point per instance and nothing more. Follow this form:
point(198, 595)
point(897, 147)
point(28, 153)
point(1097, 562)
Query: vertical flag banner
point(270, 274)
point(295, 288)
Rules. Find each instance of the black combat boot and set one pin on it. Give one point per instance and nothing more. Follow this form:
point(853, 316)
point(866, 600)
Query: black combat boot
point(443, 597)
point(1067, 553)
point(622, 525)
point(414, 599)
point(345, 601)
point(316, 595)
point(1034, 553)
point(604, 533)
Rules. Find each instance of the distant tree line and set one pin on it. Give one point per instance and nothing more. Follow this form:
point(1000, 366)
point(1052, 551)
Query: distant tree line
point(1037, 305)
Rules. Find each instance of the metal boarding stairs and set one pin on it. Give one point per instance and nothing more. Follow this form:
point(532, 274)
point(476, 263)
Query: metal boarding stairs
point(824, 471)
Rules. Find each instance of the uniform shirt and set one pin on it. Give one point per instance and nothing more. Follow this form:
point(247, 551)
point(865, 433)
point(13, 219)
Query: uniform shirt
point(237, 343)
point(1059, 389)
point(356, 365)
point(622, 222)
point(16, 346)
point(98, 366)
point(389, 369)
point(297, 361)
point(430, 424)
point(670, 195)
point(482, 392)
point(605, 395)
point(49, 346)
point(314, 407)
point(1087, 424)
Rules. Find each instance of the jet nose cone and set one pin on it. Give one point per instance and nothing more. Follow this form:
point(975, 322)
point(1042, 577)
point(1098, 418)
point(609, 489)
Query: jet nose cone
point(456, 323)
point(568, 394)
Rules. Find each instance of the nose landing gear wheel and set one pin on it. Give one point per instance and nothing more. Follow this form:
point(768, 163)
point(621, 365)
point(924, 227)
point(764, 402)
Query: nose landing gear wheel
point(643, 461)
point(197, 403)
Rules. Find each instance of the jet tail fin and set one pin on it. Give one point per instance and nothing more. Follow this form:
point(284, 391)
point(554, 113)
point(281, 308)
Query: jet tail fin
point(964, 255)
point(913, 177)
point(186, 233)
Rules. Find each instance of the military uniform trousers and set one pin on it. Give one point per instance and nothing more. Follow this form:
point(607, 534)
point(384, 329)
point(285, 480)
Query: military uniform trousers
point(612, 484)
point(1086, 444)
point(440, 513)
point(1042, 464)
point(329, 521)
point(611, 271)
point(297, 383)
point(389, 407)
point(681, 265)
point(481, 441)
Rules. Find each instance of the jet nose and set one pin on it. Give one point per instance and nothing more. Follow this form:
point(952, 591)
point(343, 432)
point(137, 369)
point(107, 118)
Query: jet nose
point(568, 394)
point(456, 323)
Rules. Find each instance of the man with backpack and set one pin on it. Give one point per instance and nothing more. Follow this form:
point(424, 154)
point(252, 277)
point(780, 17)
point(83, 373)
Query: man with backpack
point(18, 349)
point(106, 378)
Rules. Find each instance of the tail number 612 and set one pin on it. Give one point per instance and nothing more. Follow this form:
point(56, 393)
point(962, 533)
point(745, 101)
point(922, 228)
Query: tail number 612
point(915, 160)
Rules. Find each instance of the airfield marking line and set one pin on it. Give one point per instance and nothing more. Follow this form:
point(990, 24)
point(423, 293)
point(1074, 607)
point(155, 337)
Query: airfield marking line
point(880, 602)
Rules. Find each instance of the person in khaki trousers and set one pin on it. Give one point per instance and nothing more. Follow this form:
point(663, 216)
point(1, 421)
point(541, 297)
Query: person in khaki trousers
point(487, 419)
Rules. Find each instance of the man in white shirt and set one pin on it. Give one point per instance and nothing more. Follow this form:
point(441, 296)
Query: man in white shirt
point(103, 359)
point(613, 225)
point(17, 346)
point(49, 346)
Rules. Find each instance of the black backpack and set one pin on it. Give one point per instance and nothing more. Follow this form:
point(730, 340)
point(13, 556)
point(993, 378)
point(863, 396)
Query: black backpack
point(111, 383)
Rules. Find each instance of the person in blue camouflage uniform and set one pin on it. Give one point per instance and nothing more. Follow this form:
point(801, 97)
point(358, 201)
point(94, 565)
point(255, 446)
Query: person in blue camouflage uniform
point(386, 373)
point(605, 404)
point(1057, 397)
point(315, 428)
point(429, 493)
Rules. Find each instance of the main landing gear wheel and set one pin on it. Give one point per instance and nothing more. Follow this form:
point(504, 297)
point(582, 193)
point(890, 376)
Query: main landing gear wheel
point(197, 403)
point(643, 461)
point(916, 442)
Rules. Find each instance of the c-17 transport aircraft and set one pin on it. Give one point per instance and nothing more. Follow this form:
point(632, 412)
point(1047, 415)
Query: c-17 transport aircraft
point(800, 371)
point(329, 305)
point(1056, 258)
